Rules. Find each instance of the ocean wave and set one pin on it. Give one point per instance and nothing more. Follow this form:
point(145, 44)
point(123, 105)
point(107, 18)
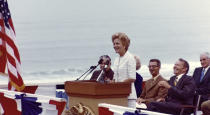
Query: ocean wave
point(70, 71)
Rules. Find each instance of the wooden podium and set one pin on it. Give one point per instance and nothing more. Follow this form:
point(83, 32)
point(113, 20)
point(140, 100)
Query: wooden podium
point(91, 93)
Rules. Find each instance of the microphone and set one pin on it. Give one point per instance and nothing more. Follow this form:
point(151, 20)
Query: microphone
point(93, 67)
point(105, 66)
point(100, 61)
point(90, 70)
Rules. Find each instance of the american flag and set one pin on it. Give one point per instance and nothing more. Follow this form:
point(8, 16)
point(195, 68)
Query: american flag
point(8, 40)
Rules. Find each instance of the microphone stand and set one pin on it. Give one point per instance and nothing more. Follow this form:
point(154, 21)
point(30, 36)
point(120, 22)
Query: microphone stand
point(100, 76)
point(89, 70)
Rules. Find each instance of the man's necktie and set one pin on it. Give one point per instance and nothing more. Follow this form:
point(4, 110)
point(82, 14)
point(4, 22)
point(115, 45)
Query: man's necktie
point(175, 81)
point(202, 74)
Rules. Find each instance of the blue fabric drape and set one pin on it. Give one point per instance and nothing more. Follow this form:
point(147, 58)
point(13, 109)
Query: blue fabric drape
point(138, 84)
point(29, 105)
point(62, 94)
point(135, 113)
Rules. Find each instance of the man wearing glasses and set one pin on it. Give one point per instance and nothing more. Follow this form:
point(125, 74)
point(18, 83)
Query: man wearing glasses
point(152, 91)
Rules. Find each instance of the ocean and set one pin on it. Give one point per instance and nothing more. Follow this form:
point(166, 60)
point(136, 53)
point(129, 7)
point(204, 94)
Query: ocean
point(59, 40)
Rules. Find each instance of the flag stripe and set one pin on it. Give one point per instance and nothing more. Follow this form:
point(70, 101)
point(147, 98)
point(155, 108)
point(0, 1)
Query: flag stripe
point(11, 25)
point(10, 51)
point(12, 69)
point(15, 79)
point(12, 44)
point(2, 56)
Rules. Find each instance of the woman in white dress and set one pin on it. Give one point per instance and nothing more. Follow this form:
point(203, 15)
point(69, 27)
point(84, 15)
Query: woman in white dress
point(124, 65)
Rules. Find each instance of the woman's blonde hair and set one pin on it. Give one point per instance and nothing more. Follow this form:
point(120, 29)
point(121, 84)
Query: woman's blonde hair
point(123, 38)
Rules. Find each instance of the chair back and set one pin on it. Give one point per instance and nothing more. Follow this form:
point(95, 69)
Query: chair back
point(197, 103)
point(194, 107)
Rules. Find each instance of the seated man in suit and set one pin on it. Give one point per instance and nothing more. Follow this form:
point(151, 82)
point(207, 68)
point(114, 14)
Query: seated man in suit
point(201, 76)
point(105, 73)
point(181, 89)
point(152, 91)
point(139, 79)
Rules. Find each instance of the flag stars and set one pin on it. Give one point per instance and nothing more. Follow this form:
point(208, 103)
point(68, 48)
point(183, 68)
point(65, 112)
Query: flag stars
point(5, 12)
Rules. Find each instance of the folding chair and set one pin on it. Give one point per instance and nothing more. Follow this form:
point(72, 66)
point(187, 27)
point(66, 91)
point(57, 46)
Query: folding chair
point(194, 107)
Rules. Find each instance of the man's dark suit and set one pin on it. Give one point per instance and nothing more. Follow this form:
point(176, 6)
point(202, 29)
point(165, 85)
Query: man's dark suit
point(203, 87)
point(138, 84)
point(108, 74)
point(182, 93)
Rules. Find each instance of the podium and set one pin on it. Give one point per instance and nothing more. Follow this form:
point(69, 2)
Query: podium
point(91, 93)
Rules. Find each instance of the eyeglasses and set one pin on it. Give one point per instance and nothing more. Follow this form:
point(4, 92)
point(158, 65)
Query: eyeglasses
point(203, 59)
point(152, 66)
